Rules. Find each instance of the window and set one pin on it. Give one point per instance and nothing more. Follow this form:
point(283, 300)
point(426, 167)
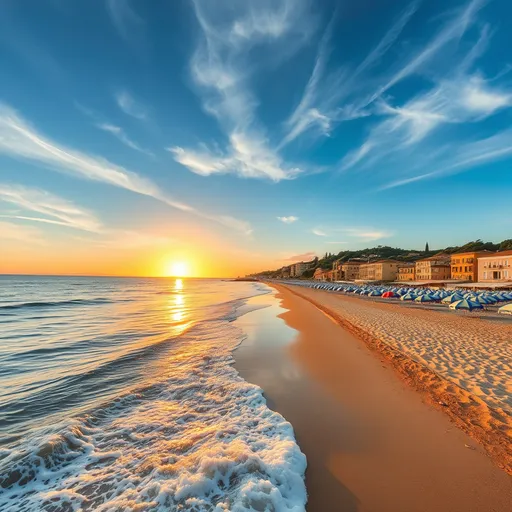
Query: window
point(485, 275)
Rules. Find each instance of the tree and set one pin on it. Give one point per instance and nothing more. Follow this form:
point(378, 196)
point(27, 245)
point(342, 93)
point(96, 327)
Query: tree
point(506, 245)
point(426, 247)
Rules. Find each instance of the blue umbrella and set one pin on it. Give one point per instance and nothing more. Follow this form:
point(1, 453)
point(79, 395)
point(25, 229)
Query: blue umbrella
point(482, 300)
point(451, 298)
point(408, 296)
point(466, 304)
point(424, 298)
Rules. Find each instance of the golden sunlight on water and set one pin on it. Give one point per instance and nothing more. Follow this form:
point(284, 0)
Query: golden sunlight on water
point(178, 308)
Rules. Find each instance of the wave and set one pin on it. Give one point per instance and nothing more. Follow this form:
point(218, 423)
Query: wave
point(58, 303)
point(198, 438)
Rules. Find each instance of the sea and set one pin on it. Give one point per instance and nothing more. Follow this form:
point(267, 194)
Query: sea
point(120, 394)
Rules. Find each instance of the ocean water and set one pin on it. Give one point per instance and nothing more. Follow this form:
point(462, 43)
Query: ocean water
point(119, 394)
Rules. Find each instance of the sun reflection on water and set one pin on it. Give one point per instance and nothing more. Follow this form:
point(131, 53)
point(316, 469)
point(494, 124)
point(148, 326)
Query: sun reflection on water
point(178, 310)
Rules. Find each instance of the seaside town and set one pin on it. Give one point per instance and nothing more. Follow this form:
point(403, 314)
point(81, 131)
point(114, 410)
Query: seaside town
point(472, 269)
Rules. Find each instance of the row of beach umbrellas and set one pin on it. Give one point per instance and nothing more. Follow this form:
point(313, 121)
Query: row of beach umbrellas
point(456, 299)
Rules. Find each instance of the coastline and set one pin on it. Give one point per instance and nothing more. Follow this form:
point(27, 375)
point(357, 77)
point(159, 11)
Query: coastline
point(489, 425)
point(371, 441)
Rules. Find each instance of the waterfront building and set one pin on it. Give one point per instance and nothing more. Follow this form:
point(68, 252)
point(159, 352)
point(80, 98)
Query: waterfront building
point(382, 270)
point(297, 269)
point(496, 267)
point(350, 270)
point(337, 271)
point(407, 272)
point(319, 274)
point(435, 268)
point(464, 266)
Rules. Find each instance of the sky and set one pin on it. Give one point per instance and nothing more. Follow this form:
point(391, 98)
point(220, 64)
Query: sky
point(236, 135)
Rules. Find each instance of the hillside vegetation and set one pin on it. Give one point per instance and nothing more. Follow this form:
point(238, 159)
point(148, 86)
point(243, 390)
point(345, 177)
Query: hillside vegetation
point(385, 252)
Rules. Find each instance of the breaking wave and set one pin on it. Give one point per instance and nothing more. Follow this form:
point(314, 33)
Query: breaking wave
point(193, 436)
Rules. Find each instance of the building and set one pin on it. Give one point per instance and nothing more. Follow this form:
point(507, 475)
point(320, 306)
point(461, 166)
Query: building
point(464, 265)
point(297, 269)
point(382, 270)
point(350, 270)
point(319, 274)
point(496, 267)
point(285, 273)
point(406, 272)
point(337, 271)
point(435, 268)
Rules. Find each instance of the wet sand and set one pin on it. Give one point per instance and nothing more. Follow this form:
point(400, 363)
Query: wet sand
point(372, 443)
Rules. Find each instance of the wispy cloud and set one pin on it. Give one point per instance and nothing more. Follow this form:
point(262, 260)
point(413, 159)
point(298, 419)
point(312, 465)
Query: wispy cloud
point(120, 134)
point(363, 234)
point(129, 25)
point(320, 108)
point(19, 140)
point(307, 256)
point(403, 142)
point(15, 232)
point(221, 69)
point(249, 157)
point(465, 156)
point(366, 235)
point(54, 209)
point(130, 106)
point(452, 31)
point(288, 220)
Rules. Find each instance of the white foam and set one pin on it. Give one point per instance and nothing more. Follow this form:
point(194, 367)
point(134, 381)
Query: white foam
point(201, 438)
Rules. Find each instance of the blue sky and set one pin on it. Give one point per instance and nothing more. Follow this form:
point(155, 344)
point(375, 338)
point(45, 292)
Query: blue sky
point(260, 130)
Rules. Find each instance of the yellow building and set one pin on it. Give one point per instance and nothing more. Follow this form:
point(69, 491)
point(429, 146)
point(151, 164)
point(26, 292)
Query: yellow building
point(464, 265)
point(337, 271)
point(350, 270)
point(407, 272)
point(382, 270)
point(435, 268)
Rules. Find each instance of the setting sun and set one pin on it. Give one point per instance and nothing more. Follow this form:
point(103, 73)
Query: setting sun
point(178, 269)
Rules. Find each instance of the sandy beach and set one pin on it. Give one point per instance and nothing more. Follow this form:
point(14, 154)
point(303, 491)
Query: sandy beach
point(375, 436)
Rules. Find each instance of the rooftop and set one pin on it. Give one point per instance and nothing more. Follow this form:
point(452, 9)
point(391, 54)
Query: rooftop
point(499, 254)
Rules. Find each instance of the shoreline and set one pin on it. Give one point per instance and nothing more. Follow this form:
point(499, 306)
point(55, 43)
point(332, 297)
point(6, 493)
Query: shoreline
point(490, 426)
point(371, 441)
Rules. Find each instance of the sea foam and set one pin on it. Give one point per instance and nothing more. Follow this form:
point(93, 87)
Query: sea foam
point(199, 438)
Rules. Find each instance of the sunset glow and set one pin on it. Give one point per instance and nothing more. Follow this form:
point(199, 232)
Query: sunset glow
point(178, 269)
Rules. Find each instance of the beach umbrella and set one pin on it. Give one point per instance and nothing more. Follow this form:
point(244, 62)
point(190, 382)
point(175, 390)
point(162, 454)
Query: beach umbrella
point(408, 296)
point(506, 310)
point(466, 305)
point(481, 300)
point(388, 295)
point(374, 293)
point(424, 298)
point(451, 298)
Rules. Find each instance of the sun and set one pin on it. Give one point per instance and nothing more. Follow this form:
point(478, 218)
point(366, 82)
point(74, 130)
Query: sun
point(178, 269)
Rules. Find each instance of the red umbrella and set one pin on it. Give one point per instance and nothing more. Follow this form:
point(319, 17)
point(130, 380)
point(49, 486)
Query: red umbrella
point(387, 295)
